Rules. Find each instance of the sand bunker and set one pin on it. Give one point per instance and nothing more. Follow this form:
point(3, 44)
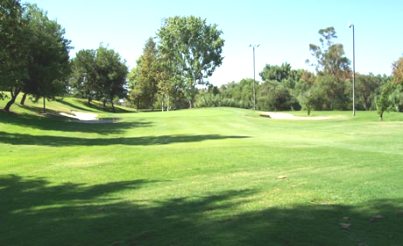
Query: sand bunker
point(81, 116)
point(288, 116)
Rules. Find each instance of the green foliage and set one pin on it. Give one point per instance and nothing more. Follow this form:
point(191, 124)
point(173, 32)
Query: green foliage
point(99, 74)
point(48, 65)
point(193, 48)
point(13, 38)
point(329, 56)
point(83, 79)
point(143, 79)
point(274, 96)
point(398, 71)
point(366, 89)
point(35, 55)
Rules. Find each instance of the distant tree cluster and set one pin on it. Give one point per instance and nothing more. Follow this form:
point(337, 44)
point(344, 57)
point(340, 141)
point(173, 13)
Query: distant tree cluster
point(330, 88)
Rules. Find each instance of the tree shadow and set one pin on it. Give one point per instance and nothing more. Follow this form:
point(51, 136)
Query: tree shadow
point(35, 212)
point(94, 107)
point(27, 139)
point(53, 122)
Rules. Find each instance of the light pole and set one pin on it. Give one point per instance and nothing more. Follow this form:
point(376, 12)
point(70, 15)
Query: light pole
point(352, 26)
point(254, 46)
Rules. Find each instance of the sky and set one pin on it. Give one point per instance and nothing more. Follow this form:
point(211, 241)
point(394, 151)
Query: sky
point(284, 29)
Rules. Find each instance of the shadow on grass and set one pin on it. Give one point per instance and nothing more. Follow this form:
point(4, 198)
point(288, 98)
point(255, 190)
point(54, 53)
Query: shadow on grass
point(26, 139)
point(94, 107)
point(35, 212)
point(54, 122)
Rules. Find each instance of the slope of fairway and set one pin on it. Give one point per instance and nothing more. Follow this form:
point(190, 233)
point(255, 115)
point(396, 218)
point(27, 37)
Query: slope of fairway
point(201, 177)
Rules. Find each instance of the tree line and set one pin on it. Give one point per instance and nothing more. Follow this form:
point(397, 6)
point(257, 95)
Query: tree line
point(328, 88)
point(173, 71)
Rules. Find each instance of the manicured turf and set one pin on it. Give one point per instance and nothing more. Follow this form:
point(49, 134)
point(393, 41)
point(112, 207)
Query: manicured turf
point(218, 176)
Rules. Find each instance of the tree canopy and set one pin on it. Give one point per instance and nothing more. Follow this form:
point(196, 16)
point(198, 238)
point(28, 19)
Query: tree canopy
point(194, 47)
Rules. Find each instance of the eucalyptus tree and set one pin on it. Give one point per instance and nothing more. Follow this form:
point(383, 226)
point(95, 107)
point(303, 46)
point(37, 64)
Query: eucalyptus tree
point(330, 56)
point(195, 49)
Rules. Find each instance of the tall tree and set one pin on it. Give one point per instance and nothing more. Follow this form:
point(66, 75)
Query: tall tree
point(143, 79)
point(276, 73)
point(83, 78)
point(99, 74)
point(13, 52)
point(330, 58)
point(48, 65)
point(194, 47)
point(41, 53)
point(111, 73)
point(398, 71)
point(367, 87)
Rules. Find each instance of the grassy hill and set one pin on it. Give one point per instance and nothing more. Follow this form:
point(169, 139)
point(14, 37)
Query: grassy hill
point(218, 176)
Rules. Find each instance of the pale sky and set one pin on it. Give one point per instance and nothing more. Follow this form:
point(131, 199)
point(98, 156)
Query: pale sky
point(284, 29)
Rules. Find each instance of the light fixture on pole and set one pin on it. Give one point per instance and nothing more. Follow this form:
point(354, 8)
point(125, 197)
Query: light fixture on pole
point(254, 46)
point(353, 27)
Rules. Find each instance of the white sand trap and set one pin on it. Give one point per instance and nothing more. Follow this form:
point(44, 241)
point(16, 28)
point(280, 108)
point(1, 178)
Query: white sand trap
point(288, 116)
point(81, 116)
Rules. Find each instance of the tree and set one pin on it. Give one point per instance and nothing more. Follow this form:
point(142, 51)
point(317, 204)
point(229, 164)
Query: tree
point(39, 50)
point(111, 74)
point(13, 52)
point(48, 65)
point(330, 57)
point(366, 87)
point(143, 78)
point(195, 49)
point(99, 74)
point(274, 96)
point(398, 71)
point(383, 102)
point(276, 73)
point(83, 78)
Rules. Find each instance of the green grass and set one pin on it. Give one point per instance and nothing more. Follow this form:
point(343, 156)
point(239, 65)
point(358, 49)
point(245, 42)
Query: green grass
point(199, 177)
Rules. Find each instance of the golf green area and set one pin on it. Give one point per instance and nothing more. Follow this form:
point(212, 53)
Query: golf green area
point(215, 176)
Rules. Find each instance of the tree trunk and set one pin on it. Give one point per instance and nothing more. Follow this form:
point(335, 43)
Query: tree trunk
point(190, 104)
point(44, 104)
point(113, 107)
point(23, 99)
point(104, 103)
point(168, 103)
point(14, 94)
point(89, 100)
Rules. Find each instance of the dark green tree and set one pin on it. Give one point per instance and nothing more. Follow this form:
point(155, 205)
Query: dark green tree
point(273, 95)
point(48, 66)
point(83, 80)
point(42, 52)
point(143, 79)
point(194, 47)
point(111, 73)
point(366, 88)
point(13, 51)
point(99, 74)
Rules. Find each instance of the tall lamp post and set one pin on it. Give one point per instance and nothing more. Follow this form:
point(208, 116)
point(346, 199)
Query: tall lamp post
point(352, 26)
point(254, 46)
